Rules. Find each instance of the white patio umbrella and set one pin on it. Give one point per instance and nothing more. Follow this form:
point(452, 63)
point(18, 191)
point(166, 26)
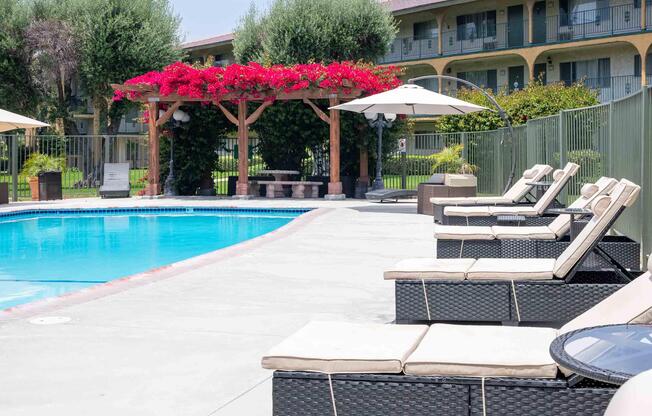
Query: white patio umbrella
point(12, 121)
point(410, 99)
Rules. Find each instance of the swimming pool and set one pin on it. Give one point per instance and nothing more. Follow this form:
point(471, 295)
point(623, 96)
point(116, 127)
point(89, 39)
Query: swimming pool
point(45, 253)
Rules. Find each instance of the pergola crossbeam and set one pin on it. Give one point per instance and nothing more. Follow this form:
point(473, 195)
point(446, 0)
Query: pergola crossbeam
point(317, 111)
point(168, 113)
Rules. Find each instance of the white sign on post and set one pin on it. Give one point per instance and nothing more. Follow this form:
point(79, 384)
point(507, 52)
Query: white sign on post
point(402, 145)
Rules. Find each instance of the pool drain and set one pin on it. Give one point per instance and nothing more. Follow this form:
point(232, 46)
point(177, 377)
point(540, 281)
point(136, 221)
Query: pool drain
point(50, 320)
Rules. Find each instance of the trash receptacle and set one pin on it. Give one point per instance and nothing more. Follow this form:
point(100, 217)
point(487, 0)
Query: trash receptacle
point(49, 186)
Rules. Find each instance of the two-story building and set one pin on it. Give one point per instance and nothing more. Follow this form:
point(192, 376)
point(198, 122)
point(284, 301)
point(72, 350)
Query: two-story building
point(503, 44)
point(506, 43)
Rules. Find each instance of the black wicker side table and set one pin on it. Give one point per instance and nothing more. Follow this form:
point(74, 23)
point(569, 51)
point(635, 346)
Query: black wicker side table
point(573, 212)
point(540, 188)
point(611, 354)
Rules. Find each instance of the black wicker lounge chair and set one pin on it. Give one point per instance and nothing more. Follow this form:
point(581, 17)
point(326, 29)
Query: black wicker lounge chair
point(456, 241)
point(328, 369)
point(519, 290)
point(529, 214)
point(519, 193)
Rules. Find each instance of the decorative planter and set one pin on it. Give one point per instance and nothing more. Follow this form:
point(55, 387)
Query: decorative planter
point(33, 187)
point(4, 193)
point(46, 187)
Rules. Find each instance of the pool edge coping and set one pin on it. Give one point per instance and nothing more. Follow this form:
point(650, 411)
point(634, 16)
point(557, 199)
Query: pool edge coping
point(122, 284)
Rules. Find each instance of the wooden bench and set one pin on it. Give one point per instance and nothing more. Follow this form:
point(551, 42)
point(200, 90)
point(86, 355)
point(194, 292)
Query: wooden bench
point(299, 188)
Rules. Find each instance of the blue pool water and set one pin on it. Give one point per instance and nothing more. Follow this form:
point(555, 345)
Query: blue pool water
point(49, 253)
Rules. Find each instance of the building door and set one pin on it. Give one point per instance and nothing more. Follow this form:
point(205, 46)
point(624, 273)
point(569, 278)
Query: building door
point(515, 26)
point(539, 22)
point(516, 78)
point(541, 72)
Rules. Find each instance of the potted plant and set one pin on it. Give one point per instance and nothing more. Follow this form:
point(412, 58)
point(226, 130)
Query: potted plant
point(458, 171)
point(44, 173)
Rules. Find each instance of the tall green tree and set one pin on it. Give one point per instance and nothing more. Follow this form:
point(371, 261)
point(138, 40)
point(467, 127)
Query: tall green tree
point(121, 39)
point(17, 90)
point(301, 31)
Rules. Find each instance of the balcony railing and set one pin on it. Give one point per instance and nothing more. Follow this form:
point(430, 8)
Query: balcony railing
point(608, 88)
point(612, 88)
point(588, 24)
point(608, 21)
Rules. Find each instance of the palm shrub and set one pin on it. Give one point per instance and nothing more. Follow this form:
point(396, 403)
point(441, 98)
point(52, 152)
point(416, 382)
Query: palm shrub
point(38, 163)
point(450, 160)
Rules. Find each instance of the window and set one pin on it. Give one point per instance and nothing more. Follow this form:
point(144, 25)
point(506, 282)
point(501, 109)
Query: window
point(425, 30)
point(483, 79)
point(577, 12)
point(637, 65)
point(595, 73)
point(477, 25)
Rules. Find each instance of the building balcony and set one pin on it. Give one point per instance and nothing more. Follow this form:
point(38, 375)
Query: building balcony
point(608, 21)
point(607, 88)
point(568, 27)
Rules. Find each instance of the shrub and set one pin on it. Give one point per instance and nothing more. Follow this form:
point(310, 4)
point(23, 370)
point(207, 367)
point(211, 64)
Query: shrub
point(450, 160)
point(38, 163)
point(534, 101)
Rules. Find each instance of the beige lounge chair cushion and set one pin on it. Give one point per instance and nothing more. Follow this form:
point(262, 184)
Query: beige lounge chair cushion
point(523, 233)
point(525, 210)
point(521, 187)
point(484, 351)
point(589, 192)
point(561, 178)
point(511, 269)
point(336, 347)
point(471, 200)
point(467, 211)
point(633, 397)
point(596, 226)
point(429, 268)
point(630, 304)
point(461, 232)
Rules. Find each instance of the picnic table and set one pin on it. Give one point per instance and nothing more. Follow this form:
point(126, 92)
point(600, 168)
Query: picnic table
point(280, 175)
point(300, 189)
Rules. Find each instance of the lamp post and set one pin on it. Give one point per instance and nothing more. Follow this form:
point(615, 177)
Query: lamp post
point(379, 121)
point(500, 111)
point(179, 117)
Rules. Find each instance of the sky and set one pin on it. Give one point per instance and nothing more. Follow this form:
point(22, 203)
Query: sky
point(205, 18)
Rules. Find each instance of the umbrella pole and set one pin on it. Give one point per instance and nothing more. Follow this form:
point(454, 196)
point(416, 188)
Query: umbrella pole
point(501, 113)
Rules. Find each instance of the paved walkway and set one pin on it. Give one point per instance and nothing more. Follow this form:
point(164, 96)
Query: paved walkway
point(190, 344)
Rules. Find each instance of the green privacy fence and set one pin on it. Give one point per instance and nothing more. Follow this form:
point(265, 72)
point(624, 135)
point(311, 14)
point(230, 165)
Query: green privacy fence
point(612, 139)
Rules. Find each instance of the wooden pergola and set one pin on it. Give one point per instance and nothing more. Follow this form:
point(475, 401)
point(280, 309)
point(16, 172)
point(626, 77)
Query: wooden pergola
point(151, 96)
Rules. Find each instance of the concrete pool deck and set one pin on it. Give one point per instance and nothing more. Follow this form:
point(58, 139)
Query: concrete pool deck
point(190, 342)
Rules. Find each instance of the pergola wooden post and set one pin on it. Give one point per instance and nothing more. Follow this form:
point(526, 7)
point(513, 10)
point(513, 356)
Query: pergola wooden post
point(154, 173)
point(242, 187)
point(152, 97)
point(335, 184)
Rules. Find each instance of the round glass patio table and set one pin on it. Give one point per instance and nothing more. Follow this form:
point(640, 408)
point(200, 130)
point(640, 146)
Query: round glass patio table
point(611, 354)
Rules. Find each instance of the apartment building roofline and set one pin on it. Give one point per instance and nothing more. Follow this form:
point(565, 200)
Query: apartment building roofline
point(224, 39)
point(400, 7)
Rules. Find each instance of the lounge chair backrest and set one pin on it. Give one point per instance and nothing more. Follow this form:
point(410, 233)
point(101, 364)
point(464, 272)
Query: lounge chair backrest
point(605, 210)
point(521, 187)
point(116, 174)
point(630, 304)
point(589, 192)
point(560, 179)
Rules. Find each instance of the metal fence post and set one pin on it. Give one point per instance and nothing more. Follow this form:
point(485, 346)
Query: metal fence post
point(645, 173)
point(610, 141)
point(14, 168)
point(562, 133)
